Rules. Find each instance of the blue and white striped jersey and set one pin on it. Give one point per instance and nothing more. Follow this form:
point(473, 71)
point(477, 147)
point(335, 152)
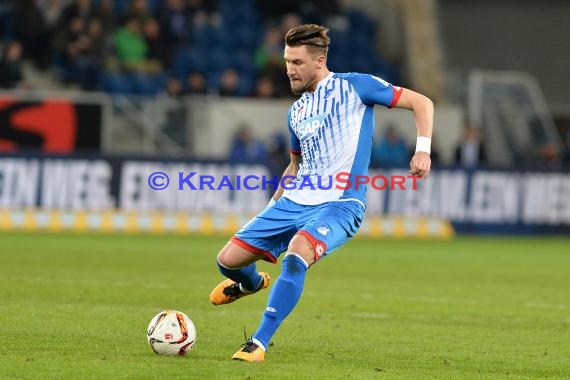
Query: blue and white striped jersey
point(333, 128)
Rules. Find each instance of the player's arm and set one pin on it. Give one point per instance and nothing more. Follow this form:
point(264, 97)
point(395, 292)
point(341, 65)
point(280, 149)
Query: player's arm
point(423, 110)
point(374, 90)
point(288, 175)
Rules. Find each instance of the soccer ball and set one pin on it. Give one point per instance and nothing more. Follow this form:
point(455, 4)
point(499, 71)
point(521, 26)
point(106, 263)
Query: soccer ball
point(171, 333)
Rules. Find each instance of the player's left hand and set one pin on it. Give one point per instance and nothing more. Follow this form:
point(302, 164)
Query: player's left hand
point(420, 164)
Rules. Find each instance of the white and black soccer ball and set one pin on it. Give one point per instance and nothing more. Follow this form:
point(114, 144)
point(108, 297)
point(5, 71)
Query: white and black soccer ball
point(171, 333)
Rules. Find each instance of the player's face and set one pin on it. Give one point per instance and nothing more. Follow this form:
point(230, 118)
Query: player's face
point(301, 68)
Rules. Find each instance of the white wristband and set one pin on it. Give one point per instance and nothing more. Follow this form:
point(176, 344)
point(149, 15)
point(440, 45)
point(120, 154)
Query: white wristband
point(423, 144)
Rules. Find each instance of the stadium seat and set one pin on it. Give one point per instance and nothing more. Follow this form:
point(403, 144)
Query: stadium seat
point(213, 79)
point(147, 84)
point(246, 84)
point(188, 59)
point(244, 37)
point(154, 5)
point(242, 62)
point(121, 6)
point(7, 27)
point(117, 83)
point(217, 59)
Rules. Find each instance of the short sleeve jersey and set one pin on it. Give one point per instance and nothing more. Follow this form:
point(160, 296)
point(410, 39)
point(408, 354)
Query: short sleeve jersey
point(332, 129)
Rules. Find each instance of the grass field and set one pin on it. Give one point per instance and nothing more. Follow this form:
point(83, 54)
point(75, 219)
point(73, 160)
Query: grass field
point(77, 306)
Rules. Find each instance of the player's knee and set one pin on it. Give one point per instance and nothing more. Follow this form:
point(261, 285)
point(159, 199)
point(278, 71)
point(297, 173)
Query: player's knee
point(222, 260)
point(301, 246)
point(235, 257)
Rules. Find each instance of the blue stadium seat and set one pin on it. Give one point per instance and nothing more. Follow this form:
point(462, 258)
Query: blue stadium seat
point(117, 83)
point(189, 59)
point(121, 6)
point(235, 13)
point(246, 84)
point(360, 21)
point(217, 59)
point(362, 62)
point(341, 41)
point(338, 62)
point(244, 37)
point(154, 5)
point(213, 79)
point(242, 62)
point(7, 27)
point(147, 84)
point(200, 36)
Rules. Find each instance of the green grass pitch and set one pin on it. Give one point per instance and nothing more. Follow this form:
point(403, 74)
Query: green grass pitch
point(77, 306)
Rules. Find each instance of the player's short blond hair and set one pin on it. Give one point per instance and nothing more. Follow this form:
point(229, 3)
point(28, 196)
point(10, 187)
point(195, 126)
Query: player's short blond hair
point(311, 35)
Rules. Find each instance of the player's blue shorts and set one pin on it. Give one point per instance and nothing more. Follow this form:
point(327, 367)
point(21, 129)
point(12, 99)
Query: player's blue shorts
point(327, 226)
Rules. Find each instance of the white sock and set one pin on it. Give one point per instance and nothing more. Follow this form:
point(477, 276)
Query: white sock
point(259, 344)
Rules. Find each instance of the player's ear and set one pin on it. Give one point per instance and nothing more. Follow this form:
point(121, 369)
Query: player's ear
point(320, 61)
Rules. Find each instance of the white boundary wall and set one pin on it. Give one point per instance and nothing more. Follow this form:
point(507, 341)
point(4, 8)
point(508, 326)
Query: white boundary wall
point(215, 121)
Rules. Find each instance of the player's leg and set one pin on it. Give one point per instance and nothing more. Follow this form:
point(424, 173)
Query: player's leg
point(264, 237)
point(282, 299)
point(329, 228)
point(238, 265)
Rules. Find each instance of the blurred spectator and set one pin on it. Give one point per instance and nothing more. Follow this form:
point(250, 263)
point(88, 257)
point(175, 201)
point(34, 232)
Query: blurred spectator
point(67, 37)
point(106, 14)
point(11, 66)
point(71, 40)
point(174, 24)
point(270, 63)
point(470, 152)
point(566, 155)
point(273, 10)
point(278, 151)
point(246, 149)
point(208, 7)
point(33, 32)
point(91, 58)
point(549, 155)
point(229, 83)
point(174, 87)
point(131, 47)
point(157, 51)
point(270, 52)
point(288, 22)
point(317, 11)
point(264, 88)
point(434, 155)
point(196, 84)
point(79, 8)
point(139, 10)
point(84, 49)
point(391, 150)
point(51, 11)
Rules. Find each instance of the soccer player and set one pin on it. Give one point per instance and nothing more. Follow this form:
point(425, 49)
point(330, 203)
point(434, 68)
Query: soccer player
point(331, 127)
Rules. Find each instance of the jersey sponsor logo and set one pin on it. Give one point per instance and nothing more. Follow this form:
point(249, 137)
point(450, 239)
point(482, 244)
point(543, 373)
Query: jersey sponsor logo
point(168, 336)
point(309, 127)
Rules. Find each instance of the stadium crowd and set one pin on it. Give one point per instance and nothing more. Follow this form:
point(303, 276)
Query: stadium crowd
point(146, 47)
